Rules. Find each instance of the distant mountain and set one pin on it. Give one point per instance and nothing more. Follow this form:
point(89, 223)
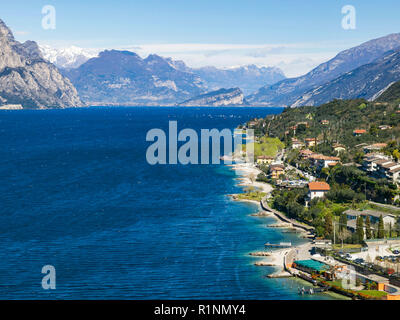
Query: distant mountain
point(124, 78)
point(68, 58)
point(28, 80)
point(288, 91)
point(221, 97)
point(367, 81)
point(247, 78)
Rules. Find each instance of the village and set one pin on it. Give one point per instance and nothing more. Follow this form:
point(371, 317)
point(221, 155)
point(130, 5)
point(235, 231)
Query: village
point(348, 206)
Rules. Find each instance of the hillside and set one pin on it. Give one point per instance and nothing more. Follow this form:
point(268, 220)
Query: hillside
point(341, 117)
point(364, 82)
point(391, 94)
point(288, 91)
point(29, 81)
point(222, 97)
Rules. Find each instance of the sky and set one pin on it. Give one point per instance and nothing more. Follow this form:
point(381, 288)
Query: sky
point(291, 34)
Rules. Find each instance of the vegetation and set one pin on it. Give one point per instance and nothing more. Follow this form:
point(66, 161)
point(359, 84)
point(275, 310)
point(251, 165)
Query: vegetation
point(392, 94)
point(267, 147)
point(251, 195)
point(343, 116)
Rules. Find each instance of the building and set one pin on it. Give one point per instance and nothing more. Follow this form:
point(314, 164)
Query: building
point(265, 160)
point(296, 144)
point(374, 147)
point(305, 154)
point(359, 132)
point(389, 170)
point(317, 189)
point(320, 161)
point(370, 162)
point(373, 215)
point(311, 142)
point(276, 170)
point(324, 122)
point(325, 162)
point(338, 148)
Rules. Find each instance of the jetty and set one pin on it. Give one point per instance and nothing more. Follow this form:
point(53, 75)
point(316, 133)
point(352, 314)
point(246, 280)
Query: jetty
point(279, 245)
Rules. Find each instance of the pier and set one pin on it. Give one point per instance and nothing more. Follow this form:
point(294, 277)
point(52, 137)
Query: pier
point(278, 245)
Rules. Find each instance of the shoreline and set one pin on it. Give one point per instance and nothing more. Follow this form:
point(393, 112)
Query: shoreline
point(273, 258)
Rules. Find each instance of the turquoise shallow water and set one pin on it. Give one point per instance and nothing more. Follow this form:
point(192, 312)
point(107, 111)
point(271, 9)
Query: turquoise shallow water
point(78, 194)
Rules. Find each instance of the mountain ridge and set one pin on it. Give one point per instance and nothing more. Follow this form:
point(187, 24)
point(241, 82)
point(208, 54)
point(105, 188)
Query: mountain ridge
point(288, 91)
point(28, 80)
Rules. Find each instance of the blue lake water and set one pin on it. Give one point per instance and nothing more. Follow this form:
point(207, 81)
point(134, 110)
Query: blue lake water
point(77, 193)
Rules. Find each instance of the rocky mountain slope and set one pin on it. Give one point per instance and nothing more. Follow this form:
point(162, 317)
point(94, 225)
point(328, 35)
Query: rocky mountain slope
point(124, 78)
point(28, 80)
point(367, 82)
point(221, 97)
point(248, 78)
point(389, 94)
point(288, 91)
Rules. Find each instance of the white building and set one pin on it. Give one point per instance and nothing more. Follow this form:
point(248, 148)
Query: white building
point(317, 189)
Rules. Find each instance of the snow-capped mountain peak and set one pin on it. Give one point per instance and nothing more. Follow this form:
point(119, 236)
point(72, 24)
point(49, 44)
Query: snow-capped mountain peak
point(69, 57)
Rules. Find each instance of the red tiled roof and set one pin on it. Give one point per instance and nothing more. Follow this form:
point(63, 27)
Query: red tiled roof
point(359, 131)
point(319, 186)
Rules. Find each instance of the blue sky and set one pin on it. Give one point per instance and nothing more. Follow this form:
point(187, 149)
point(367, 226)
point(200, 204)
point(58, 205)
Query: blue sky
point(294, 35)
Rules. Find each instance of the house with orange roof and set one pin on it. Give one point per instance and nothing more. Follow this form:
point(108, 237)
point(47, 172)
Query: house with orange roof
point(359, 132)
point(296, 144)
point(317, 189)
point(276, 170)
point(311, 142)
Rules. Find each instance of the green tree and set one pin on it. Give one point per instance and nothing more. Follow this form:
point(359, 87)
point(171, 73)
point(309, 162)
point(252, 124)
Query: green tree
point(328, 226)
point(396, 154)
point(360, 229)
point(373, 130)
point(342, 222)
point(368, 230)
point(381, 228)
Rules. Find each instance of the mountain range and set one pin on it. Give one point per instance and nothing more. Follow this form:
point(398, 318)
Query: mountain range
point(367, 81)
point(249, 78)
point(28, 80)
point(288, 92)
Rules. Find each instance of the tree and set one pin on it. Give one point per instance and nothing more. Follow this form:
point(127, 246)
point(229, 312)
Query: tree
point(368, 228)
point(381, 228)
point(328, 226)
point(324, 173)
point(342, 222)
point(360, 229)
point(396, 155)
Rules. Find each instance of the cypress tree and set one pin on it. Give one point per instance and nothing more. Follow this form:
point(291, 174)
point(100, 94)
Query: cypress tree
point(328, 226)
point(381, 228)
point(360, 229)
point(368, 228)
